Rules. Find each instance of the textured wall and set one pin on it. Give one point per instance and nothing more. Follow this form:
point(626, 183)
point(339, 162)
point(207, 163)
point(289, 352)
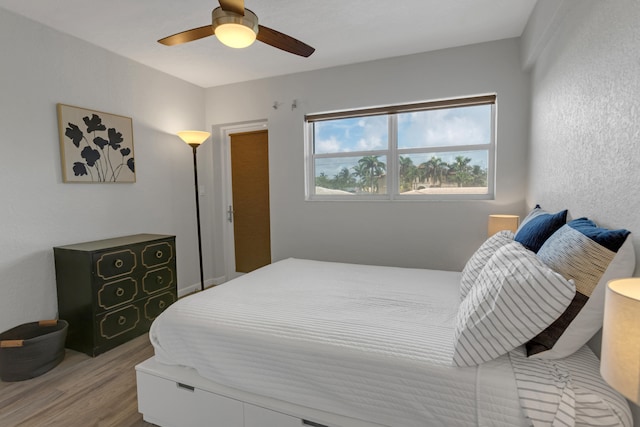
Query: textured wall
point(585, 119)
point(585, 123)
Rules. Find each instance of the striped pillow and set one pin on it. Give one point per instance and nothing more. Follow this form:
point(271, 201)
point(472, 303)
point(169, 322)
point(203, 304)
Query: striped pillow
point(479, 259)
point(590, 256)
point(516, 297)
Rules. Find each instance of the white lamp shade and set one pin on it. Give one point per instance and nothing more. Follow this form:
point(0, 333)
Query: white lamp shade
point(194, 137)
point(502, 222)
point(620, 356)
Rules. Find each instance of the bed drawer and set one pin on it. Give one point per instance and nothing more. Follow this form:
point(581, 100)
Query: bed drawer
point(255, 416)
point(171, 404)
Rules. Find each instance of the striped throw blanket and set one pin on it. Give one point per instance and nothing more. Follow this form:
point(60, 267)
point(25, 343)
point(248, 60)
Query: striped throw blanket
point(567, 392)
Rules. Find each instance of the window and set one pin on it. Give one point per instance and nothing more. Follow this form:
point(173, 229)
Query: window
point(431, 150)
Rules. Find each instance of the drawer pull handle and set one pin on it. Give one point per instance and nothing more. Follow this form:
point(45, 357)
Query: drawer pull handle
point(119, 292)
point(118, 263)
point(159, 254)
point(312, 424)
point(162, 304)
point(122, 320)
point(159, 280)
point(185, 387)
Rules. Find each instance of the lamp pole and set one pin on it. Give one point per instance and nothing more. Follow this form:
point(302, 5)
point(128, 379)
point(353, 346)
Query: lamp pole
point(195, 138)
point(195, 178)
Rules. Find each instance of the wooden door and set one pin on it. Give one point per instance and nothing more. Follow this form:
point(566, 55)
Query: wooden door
point(250, 195)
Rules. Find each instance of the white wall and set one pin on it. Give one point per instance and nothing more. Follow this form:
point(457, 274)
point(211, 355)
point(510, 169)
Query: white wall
point(585, 127)
point(438, 235)
point(39, 68)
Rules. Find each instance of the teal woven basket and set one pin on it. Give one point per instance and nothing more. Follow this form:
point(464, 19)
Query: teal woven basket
point(31, 349)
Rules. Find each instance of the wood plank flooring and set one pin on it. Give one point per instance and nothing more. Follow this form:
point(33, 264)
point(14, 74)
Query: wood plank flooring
point(81, 391)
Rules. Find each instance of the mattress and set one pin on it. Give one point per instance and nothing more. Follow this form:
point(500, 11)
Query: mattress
point(366, 342)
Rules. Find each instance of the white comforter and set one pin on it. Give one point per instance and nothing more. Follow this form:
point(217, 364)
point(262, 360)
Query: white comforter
point(372, 343)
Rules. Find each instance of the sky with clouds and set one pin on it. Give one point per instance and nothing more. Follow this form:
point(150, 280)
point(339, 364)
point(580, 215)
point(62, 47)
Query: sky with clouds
point(444, 128)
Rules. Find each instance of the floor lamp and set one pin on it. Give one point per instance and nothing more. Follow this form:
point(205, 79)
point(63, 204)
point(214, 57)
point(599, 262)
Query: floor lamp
point(194, 138)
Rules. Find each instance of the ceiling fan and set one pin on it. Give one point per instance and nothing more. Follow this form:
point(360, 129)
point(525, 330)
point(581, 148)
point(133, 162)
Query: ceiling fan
point(238, 27)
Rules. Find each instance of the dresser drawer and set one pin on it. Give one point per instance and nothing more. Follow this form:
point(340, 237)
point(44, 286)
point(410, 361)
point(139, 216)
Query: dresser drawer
point(157, 280)
point(117, 322)
point(114, 264)
point(157, 304)
point(113, 294)
point(157, 254)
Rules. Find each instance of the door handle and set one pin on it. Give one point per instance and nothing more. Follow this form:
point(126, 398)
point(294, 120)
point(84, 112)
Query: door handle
point(230, 214)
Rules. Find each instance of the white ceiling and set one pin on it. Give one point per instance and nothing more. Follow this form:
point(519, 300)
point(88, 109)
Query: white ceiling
point(342, 31)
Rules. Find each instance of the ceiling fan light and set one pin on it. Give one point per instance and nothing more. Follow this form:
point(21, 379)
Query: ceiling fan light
point(235, 30)
point(235, 35)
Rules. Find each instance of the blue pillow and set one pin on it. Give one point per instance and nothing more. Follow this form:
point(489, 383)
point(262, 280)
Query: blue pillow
point(538, 226)
point(610, 239)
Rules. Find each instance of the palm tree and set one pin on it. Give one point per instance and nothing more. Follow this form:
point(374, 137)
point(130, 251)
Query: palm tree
point(408, 172)
point(360, 172)
point(462, 170)
point(479, 176)
point(435, 169)
point(344, 179)
point(422, 174)
point(374, 169)
point(323, 180)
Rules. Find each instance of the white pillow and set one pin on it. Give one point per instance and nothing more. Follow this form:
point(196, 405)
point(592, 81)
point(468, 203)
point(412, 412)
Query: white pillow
point(516, 297)
point(479, 259)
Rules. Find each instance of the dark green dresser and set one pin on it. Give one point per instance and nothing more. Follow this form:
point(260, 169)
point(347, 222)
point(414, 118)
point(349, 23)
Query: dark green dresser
point(111, 290)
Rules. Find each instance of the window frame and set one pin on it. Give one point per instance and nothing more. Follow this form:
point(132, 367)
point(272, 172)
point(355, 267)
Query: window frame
point(393, 153)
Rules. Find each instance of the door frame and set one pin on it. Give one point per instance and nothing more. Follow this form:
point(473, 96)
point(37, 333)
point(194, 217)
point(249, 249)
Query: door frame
point(227, 190)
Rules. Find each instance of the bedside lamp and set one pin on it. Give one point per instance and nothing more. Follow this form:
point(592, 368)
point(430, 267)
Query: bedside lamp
point(502, 222)
point(620, 358)
point(195, 138)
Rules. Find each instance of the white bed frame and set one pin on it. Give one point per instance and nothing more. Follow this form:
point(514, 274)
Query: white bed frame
point(175, 396)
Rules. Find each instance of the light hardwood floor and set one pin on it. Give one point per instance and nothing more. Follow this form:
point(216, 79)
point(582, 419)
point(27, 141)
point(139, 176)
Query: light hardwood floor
point(81, 391)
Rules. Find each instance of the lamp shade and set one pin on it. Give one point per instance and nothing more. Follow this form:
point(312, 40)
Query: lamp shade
point(502, 222)
point(620, 356)
point(194, 137)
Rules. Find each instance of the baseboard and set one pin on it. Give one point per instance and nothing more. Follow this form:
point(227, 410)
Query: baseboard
point(218, 280)
point(196, 286)
point(188, 290)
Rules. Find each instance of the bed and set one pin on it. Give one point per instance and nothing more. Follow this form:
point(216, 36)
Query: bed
point(302, 342)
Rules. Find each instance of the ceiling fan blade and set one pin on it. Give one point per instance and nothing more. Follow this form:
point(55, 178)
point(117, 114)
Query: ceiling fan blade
point(187, 36)
point(235, 6)
point(283, 41)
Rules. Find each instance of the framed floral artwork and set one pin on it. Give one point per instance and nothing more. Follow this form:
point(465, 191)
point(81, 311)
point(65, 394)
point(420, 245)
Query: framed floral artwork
point(95, 147)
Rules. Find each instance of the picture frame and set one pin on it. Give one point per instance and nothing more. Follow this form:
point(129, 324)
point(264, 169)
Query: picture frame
point(95, 147)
